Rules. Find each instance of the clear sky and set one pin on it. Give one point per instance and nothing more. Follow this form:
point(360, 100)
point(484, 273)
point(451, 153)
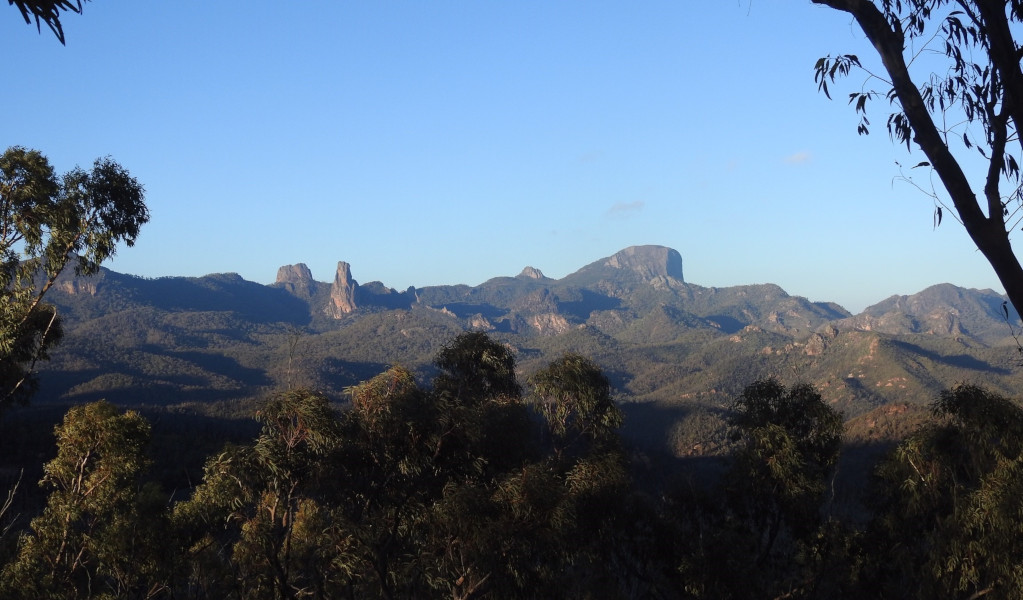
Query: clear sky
point(441, 142)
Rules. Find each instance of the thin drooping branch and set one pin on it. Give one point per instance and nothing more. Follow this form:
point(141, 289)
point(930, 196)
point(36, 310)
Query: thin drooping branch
point(987, 231)
point(1004, 56)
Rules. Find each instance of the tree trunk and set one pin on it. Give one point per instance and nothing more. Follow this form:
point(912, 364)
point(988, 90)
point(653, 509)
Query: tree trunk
point(987, 231)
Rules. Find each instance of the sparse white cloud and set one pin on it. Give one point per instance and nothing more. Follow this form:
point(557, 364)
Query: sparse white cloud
point(625, 210)
point(798, 158)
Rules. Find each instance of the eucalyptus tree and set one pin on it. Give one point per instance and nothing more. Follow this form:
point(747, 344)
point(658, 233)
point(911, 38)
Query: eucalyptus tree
point(947, 503)
point(103, 531)
point(48, 223)
point(415, 491)
point(775, 491)
point(950, 70)
point(574, 397)
point(258, 526)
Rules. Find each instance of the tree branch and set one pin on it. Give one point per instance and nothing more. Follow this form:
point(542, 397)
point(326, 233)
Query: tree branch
point(1004, 54)
point(988, 232)
point(997, 123)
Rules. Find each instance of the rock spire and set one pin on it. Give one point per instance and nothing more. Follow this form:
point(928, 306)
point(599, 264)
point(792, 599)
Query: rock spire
point(342, 292)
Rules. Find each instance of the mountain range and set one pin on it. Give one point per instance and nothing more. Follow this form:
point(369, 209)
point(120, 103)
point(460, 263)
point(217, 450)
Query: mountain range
point(676, 352)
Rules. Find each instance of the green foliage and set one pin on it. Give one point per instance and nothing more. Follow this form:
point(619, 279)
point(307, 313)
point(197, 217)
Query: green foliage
point(967, 103)
point(100, 535)
point(795, 421)
point(574, 397)
point(496, 539)
point(475, 368)
point(27, 341)
point(269, 497)
point(788, 442)
point(947, 510)
point(462, 490)
point(45, 224)
point(412, 492)
point(297, 427)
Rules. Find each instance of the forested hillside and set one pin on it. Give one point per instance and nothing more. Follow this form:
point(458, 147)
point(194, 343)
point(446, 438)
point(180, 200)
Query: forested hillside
point(216, 344)
point(475, 486)
point(618, 433)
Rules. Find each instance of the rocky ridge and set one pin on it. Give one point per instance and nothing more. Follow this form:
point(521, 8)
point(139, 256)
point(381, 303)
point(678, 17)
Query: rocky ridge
point(660, 338)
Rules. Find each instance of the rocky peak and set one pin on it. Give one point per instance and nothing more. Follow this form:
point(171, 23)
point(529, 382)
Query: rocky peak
point(342, 292)
point(294, 273)
point(651, 262)
point(532, 273)
point(297, 279)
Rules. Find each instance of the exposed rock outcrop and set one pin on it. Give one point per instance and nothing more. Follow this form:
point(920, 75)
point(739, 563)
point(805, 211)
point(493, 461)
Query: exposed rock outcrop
point(77, 285)
point(549, 323)
point(342, 292)
point(651, 262)
point(480, 323)
point(297, 279)
point(816, 344)
point(532, 273)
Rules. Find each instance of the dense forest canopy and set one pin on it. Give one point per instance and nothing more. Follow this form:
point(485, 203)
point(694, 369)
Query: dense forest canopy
point(476, 487)
point(473, 485)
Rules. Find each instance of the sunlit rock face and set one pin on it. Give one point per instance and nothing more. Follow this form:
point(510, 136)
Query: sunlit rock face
point(532, 273)
point(77, 285)
point(297, 279)
point(650, 262)
point(536, 302)
point(549, 323)
point(342, 293)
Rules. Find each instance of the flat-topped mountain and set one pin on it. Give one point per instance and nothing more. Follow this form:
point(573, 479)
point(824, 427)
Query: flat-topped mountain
point(669, 346)
point(650, 263)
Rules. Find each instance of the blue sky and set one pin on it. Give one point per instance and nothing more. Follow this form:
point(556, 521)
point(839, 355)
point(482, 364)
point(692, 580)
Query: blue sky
point(447, 142)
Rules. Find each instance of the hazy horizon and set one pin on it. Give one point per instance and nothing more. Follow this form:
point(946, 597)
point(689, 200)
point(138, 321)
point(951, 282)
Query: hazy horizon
point(447, 143)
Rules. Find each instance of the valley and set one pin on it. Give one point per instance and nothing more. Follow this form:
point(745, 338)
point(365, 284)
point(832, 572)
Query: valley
point(677, 353)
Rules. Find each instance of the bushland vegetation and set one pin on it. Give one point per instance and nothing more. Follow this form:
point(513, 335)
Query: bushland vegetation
point(475, 486)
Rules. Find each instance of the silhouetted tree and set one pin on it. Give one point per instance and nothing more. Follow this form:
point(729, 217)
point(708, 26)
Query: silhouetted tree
point(47, 11)
point(574, 397)
point(979, 86)
point(259, 518)
point(788, 441)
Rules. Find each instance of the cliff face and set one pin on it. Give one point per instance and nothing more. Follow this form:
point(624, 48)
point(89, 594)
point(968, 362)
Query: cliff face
point(342, 292)
point(297, 279)
point(540, 311)
point(651, 262)
point(77, 285)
